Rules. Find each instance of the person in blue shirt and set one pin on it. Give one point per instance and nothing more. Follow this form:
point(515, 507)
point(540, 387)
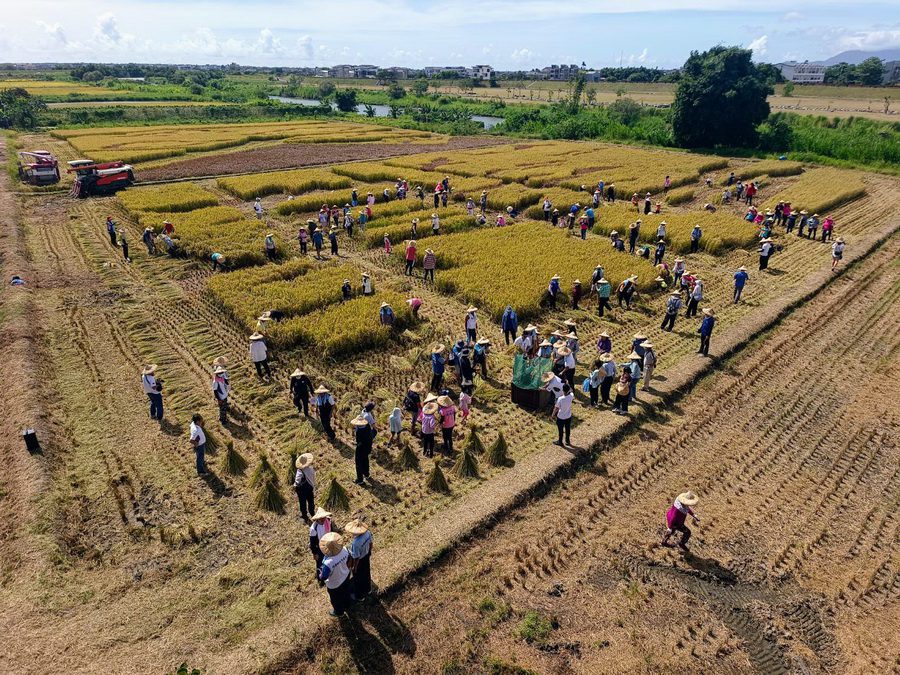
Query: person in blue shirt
point(706, 329)
point(740, 279)
point(509, 323)
point(354, 197)
point(696, 233)
point(360, 558)
point(553, 290)
point(437, 367)
point(386, 315)
point(318, 241)
point(589, 212)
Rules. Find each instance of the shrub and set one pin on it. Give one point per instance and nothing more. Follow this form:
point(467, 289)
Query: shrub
point(535, 628)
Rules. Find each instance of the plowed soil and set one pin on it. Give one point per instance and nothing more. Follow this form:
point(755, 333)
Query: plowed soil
point(792, 447)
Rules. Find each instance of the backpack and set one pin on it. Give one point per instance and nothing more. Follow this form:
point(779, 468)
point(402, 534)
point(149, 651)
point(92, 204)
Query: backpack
point(586, 385)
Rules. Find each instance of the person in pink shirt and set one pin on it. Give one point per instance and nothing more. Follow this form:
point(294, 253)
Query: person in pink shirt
point(465, 401)
point(676, 516)
point(827, 228)
point(448, 421)
point(410, 256)
point(387, 245)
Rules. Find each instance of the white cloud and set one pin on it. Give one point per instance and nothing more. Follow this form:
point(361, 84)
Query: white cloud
point(305, 46)
point(267, 43)
point(759, 46)
point(522, 55)
point(488, 48)
point(107, 30)
point(793, 16)
point(871, 39)
point(55, 31)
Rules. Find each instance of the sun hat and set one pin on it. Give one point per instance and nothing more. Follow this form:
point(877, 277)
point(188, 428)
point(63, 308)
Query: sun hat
point(258, 198)
point(530, 327)
point(640, 336)
point(298, 373)
point(265, 316)
point(303, 461)
point(359, 421)
point(411, 242)
point(220, 361)
point(167, 222)
point(563, 351)
point(322, 390)
point(840, 240)
point(662, 222)
point(431, 397)
point(569, 322)
point(149, 370)
point(688, 498)
point(659, 279)
point(571, 336)
point(219, 370)
point(634, 355)
point(434, 215)
point(601, 280)
point(613, 232)
point(634, 226)
point(444, 401)
point(678, 259)
point(331, 543)
point(548, 376)
point(678, 293)
point(709, 311)
point(577, 282)
point(815, 215)
point(558, 333)
point(545, 343)
point(365, 275)
point(804, 212)
point(471, 309)
point(355, 527)
point(437, 349)
point(256, 336)
point(633, 277)
point(418, 387)
point(606, 357)
point(384, 304)
point(320, 514)
point(646, 344)
point(415, 220)
point(604, 334)
point(742, 269)
point(509, 209)
point(430, 408)
point(428, 250)
point(346, 281)
point(484, 341)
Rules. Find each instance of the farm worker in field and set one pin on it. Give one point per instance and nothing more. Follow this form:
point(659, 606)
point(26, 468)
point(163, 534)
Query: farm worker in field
point(363, 436)
point(562, 413)
point(414, 304)
point(320, 526)
point(827, 228)
point(325, 406)
point(801, 222)
point(386, 315)
point(367, 284)
point(479, 357)
point(509, 324)
point(387, 245)
point(545, 349)
point(623, 390)
point(465, 405)
point(604, 290)
point(596, 197)
point(435, 224)
point(305, 485)
point(470, 206)
point(386, 194)
point(448, 421)
point(420, 194)
point(466, 370)
point(591, 216)
point(348, 224)
point(594, 381)
point(438, 189)
point(360, 558)
point(301, 389)
point(324, 215)
point(673, 304)
point(354, 197)
point(791, 221)
point(608, 374)
point(270, 245)
point(471, 323)
point(412, 402)
point(501, 221)
point(618, 243)
point(429, 262)
point(837, 253)
point(333, 240)
point(635, 202)
point(529, 344)
point(198, 442)
point(553, 384)
point(303, 238)
point(170, 245)
point(626, 291)
point(676, 516)
point(259, 354)
point(430, 418)
point(336, 573)
point(445, 195)
point(445, 183)
point(123, 242)
point(262, 322)
point(576, 293)
point(726, 196)
point(437, 366)
point(813, 224)
point(600, 185)
point(553, 290)
point(657, 209)
point(648, 203)
point(661, 230)
point(696, 233)
point(221, 387)
point(168, 228)
point(604, 343)
point(636, 344)
point(346, 209)
point(659, 252)
point(583, 226)
point(739, 190)
point(258, 208)
point(346, 291)
point(730, 180)
point(483, 201)
point(751, 214)
point(218, 261)
point(740, 279)
point(149, 241)
point(635, 367)
point(649, 364)
point(362, 219)
point(554, 217)
point(611, 193)
point(677, 270)
point(765, 251)
point(706, 329)
point(634, 231)
point(644, 252)
point(694, 297)
point(569, 364)
point(750, 193)
point(370, 199)
point(547, 207)
point(153, 389)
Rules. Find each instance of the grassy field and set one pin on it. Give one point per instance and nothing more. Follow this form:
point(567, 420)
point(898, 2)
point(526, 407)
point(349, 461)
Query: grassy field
point(114, 528)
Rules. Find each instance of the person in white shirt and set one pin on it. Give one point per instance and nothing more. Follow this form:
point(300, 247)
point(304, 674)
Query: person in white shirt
point(198, 441)
point(367, 285)
point(649, 364)
point(259, 354)
point(153, 389)
point(221, 388)
point(553, 384)
point(765, 250)
point(562, 413)
point(335, 572)
point(257, 207)
point(695, 297)
point(837, 252)
point(471, 324)
point(305, 485)
point(661, 230)
point(609, 375)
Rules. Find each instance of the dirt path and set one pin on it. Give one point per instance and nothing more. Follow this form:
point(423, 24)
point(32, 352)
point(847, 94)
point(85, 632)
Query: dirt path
point(793, 448)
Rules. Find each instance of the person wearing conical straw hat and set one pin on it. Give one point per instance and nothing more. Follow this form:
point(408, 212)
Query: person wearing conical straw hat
point(270, 245)
point(395, 425)
point(221, 387)
point(479, 357)
point(837, 253)
point(626, 291)
point(320, 525)
point(608, 376)
point(305, 484)
point(576, 293)
point(303, 236)
point(259, 354)
point(695, 295)
point(435, 224)
point(812, 224)
point(740, 280)
point(333, 240)
point(412, 402)
point(509, 324)
point(569, 363)
point(386, 316)
point(673, 304)
point(367, 284)
point(635, 366)
point(604, 291)
point(429, 263)
point(301, 389)
point(706, 329)
point(262, 322)
point(346, 291)
point(649, 363)
point(553, 290)
point(676, 517)
point(258, 208)
point(198, 442)
point(551, 382)
point(636, 341)
point(325, 406)
point(438, 364)
point(362, 433)
point(360, 558)
point(471, 323)
point(766, 249)
point(335, 572)
point(677, 270)
point(482, 201)
point(410, 257)
point(623, 391)
point(447, 412)
point(696, 234)
point(430, 418)
point(562, 413)
point(153, 389)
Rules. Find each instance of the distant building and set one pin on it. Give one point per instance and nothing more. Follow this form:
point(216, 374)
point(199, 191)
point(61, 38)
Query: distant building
point(891, 72)
point(559, 72)
point(365, 70)
point(482, 72)
point(432, 71)
point(345, 70)
point(399, 73)
point(802, 73)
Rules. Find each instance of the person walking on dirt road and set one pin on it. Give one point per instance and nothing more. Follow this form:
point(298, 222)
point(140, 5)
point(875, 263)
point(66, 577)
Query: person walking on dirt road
point(740, 279)
point(198, 441)
point(706, 329)
point(694, 298)
point(325, 406)
point(562, 413)
point(676, 516)
point(837, 253)
point(649, 364)
point(111, 231)
point(305, 485)
point(765, 251)
point(153, 389)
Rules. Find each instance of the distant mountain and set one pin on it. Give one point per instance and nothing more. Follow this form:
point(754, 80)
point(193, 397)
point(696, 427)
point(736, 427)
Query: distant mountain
point(856, 56)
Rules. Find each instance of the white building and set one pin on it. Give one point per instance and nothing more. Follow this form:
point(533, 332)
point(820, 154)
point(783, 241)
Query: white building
point(432, 71)
point(802, 73)
point(482, 72)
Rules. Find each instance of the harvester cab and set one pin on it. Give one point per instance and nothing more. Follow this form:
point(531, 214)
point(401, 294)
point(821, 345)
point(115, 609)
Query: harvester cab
point(38, 167)
point(104, 178)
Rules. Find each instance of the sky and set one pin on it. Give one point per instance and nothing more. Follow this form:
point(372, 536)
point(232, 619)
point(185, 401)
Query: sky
point(507, 34)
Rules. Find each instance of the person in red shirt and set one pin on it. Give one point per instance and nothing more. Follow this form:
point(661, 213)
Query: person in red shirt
point(410, 256)
point(676, 516)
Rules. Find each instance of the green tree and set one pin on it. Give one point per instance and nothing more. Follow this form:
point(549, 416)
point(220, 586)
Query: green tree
point(720, 100)
point(19, 109)
point(345, 99)
point(870, 72)
point(420, 87)
point(577, 89)
point(396, 91)
point(326, 89)
point(788, 89)
point(771, 73)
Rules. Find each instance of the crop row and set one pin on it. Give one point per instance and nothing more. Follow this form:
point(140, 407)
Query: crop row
point(168, 198)
point(819, 190)
point(288, 182)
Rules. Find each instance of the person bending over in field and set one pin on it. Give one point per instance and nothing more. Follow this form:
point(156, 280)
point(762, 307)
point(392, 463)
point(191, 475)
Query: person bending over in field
point(676, 517)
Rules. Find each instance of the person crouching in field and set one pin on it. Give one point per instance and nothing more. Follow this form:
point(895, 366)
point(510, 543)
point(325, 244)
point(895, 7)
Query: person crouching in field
point(676, 516)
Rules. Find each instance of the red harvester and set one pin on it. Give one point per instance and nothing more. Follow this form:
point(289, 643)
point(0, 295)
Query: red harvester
point(92, 178)
point(38, 167)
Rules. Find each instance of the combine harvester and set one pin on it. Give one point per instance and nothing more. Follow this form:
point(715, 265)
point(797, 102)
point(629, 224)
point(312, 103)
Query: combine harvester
point(38, 167)
point(99, 179)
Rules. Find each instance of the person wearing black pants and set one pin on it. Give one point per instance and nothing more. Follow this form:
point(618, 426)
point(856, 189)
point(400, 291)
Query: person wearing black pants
point(562, 413)
point(301, 389)
point(607, 382)
point(705, 330)
point(363, 434)
point(633, 232)
point(672, 306)
point(304, 485)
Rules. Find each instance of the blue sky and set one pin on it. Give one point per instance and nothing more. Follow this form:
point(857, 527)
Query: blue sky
point(506, 34)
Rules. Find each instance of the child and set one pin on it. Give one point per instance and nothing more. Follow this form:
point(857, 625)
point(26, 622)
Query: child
point(396, 425)
point(465, 400)
point(387, 245)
